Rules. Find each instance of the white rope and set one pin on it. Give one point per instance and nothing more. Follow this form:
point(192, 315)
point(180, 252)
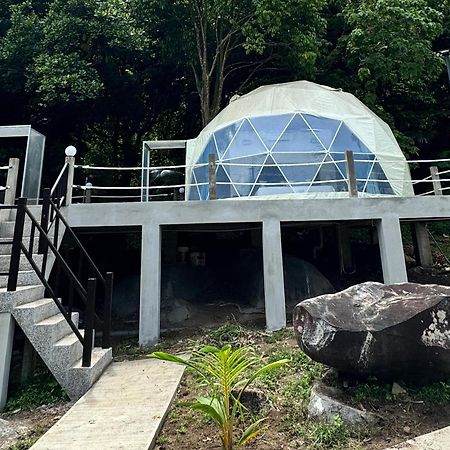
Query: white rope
point(124, 188)
point(4, 188)
point(87, 167)
point(442, 173)
point(5, 167)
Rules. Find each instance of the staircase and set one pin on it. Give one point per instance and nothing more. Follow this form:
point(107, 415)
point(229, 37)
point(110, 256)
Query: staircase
point(41, 320)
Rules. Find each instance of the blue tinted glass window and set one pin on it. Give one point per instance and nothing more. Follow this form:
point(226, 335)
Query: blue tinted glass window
point(245, 143)
point(346, 140)
point(224, 190)
point(330, 172)
point(270, 128)
point(363, 164)
point(382, 186)
point(193, 192)
point(298, 173)
point(247, 173)
point(324, 128)
point(298, 137)
point(224, 136)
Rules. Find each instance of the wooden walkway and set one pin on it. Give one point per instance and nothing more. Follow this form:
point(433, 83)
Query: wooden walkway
point(125, 409)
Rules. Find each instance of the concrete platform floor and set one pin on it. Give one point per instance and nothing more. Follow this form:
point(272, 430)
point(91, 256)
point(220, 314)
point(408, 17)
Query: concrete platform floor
point(125, 409)
point(437, 440)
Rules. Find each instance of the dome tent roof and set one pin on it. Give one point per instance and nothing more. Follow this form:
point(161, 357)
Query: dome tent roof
point(327, 114)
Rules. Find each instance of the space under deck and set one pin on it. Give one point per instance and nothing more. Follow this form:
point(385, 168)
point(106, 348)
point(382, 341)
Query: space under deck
point(151, 216)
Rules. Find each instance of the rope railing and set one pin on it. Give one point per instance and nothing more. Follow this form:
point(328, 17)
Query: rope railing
point(347, 168)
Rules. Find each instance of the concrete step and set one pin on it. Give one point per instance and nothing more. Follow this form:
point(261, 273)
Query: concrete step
point(67, 351)
point(5, 246)
point(23, 294)
point(37, 310)
point(51, 330)
point(7, 228)
point(25, 278)
point(24, 263)
point(80, 379)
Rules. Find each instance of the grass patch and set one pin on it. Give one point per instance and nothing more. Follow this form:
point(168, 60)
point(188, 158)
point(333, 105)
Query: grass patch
point(27, 440)
point(42, 390)
point(372, 391)
point(436, 393)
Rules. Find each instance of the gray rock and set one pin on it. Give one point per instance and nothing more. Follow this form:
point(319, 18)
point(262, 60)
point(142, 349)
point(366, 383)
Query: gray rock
point(396, 332)
point(7, 431)
point(325, 405)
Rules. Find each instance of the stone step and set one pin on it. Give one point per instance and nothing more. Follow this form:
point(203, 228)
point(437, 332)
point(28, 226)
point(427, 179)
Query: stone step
point(7, 228)
point(23, 294)
point(5, 245)
point(80, 379)
point(24, 263)
point(25, 278)
point(67, 351)
point(51, 330)
point(37, 310)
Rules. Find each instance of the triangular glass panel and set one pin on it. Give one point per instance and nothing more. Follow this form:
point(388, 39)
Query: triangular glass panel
point(324, 128)
point(193, 191)
point(331, 176)
point(346, 140)
point(298, 137)
point(299, 173)
point(270, 180)
point(224, 190)
point(380, 185)
point(245, 173)
point(201, 173)
point(224, 136)
point(270, 128)
point(363, 164)
point(245, 143)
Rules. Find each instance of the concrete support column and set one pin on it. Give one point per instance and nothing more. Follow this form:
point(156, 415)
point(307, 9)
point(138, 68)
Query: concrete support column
point(391, 250)
point(6, 343)
point(150, 300)
point(273, 275)
point(423, 248)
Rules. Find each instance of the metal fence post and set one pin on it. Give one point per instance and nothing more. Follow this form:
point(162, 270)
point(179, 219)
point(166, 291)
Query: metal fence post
point(17, 240)
point(351, 174)
point(11, 181)
point(42, 248)
point(212, 180)
point(437, 187)
point(106, 340)
point(89, 321)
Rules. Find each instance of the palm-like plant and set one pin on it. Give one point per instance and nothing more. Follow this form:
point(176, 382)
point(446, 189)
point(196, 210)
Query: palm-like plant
point(227, 373)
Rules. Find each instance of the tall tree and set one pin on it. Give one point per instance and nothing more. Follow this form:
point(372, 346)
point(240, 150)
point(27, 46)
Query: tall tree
point(217, 37)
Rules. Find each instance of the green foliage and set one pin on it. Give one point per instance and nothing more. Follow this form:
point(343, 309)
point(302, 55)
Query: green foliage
point(373, 391)
point(42, 390)
point(105, 75)
point(225, 334)
point(330, 435)
point(437, 393)
point(227, 374)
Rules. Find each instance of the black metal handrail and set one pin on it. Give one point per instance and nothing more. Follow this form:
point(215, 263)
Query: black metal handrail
point(86, 294)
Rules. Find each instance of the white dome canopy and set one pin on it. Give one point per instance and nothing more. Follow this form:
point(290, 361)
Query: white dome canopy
point(289, 140)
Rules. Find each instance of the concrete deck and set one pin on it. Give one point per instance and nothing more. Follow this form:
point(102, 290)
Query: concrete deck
point(125, 409)
point(437, 440)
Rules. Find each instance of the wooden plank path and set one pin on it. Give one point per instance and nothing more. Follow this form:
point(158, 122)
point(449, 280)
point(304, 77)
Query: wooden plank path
point(125, 409)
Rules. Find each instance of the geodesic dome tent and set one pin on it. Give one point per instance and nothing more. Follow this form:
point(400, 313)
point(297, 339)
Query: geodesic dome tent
point(289, 140)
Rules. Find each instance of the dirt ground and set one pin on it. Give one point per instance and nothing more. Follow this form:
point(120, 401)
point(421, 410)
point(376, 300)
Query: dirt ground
point(401, 417)
point(30, 425)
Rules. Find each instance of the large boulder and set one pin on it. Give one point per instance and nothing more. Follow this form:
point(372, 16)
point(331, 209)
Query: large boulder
point(393, 332)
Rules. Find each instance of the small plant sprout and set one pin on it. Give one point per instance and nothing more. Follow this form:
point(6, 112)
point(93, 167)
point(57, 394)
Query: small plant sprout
point(226, 373)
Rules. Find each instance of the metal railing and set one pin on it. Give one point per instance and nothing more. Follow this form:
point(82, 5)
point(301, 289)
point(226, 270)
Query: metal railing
point(85, 288)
